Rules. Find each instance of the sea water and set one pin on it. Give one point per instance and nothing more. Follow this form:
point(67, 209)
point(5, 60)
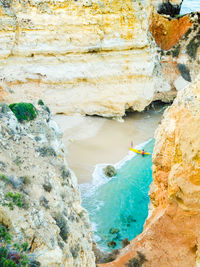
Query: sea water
point(190, 6)
point(118, 206)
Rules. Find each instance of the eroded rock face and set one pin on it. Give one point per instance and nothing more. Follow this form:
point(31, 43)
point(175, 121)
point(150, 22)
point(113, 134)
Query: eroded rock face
point(171, 233)
point(93, 57)
point(85, 57)
point(178, 50)
point(51, 220)
point(168, 7)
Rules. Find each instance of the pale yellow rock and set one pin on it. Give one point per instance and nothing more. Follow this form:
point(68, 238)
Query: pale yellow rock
point(89, 57)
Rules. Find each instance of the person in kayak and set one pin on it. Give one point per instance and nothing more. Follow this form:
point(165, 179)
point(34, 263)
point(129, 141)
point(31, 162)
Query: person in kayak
point(143, 152)
point(132, 144)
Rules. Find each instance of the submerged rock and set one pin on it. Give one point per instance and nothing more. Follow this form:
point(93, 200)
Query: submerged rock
point(114, 231)
point(112, 244)
point(110, 171)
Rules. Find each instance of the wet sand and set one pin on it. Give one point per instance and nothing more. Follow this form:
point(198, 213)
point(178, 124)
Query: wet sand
point(93, 140)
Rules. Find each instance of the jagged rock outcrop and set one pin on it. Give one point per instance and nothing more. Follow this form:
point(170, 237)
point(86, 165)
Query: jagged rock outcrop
point(171, 233)
point(50, 217)
point(177, 46)
point(167, 7)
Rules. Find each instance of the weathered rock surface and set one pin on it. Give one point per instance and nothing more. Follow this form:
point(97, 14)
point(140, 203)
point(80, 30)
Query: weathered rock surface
point(167, 7)
point(178, 50)
point(88, 57)
point(171, 233)
point(83, 57)
point(93, 57)
point(52, 221)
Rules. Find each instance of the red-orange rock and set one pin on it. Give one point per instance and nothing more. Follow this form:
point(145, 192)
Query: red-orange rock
point(167, 32)
point(171, 234)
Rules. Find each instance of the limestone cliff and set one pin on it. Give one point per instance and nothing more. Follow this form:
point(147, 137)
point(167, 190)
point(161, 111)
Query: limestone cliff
point(93, 57)
point(171, 233)
point(79, 56)
point(49, 217)
point(90, 57)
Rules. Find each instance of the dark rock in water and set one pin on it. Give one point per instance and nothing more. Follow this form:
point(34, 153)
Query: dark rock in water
point(117, 237)
point(125, 242)
point(110, 171)
point(112, 244)
point(113, 231)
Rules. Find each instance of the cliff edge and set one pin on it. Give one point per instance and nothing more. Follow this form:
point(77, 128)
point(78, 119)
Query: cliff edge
point(171, 232)
point(40, 198)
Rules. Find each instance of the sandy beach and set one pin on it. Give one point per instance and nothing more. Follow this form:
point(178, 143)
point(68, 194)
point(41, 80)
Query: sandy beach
point(93, 140)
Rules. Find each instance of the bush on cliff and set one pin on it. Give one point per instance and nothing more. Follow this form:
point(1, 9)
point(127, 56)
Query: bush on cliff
point(23, 111)
point(137, 261)
point(12, 254)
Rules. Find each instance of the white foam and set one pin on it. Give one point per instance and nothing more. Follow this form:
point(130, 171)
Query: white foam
point(98, 176)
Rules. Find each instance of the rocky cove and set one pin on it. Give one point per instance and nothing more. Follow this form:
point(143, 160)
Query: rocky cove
point(108, 59)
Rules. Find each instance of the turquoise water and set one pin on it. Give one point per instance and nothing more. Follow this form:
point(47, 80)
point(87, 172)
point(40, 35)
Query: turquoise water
point(121, 202)
point(190, 6)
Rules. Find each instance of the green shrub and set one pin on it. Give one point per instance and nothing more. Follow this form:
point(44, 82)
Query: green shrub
point(12, 255)
point(40, 102)
point(24, 111)
point(12, 199)
point(4, 178)
point(4, 235)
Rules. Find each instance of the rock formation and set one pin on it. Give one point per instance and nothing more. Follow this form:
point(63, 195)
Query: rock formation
point(85, 57)
point(82, 56)
point(167, 7)
point(171, 233)
point(178, 50)
point(93, 57)
point(49, 217)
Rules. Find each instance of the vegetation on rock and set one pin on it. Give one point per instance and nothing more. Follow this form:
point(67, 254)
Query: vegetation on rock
point(137, 262)
point(13, 199)
point(4, 178)
point(12, 254)
point(23, 111)
point(40, 102)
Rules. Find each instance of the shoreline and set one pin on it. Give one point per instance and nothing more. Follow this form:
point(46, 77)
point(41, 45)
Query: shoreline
point(96, 140)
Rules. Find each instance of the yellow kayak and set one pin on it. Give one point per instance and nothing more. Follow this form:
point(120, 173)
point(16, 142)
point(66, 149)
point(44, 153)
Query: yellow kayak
point(139, 151)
